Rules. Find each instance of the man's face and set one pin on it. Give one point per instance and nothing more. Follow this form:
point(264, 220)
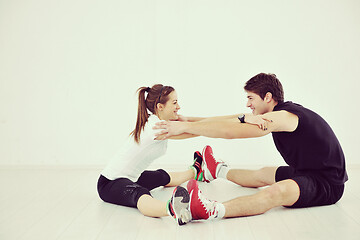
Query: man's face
point(257, 104)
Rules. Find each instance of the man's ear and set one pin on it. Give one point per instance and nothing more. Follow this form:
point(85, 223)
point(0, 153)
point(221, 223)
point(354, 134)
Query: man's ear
point(268, 97)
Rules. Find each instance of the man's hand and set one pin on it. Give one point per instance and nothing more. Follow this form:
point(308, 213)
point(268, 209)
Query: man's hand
point(171, 128)
point(260, 121)
point(182, 118)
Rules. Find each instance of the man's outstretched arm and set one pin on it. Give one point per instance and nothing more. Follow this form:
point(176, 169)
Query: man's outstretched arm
point(280, 121)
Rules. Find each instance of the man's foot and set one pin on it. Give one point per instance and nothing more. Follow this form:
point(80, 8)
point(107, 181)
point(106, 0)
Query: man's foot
point(200, 206)
point(211, 167)
point(197, 167)
point(178, 205)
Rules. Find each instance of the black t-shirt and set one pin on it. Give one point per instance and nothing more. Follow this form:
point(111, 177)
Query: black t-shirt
point(313, 147)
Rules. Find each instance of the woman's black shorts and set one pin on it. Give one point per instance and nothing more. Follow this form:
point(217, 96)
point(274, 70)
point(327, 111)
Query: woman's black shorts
point(123, 191)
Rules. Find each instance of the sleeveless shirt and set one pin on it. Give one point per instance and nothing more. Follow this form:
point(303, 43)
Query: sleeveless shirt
point(313, 147)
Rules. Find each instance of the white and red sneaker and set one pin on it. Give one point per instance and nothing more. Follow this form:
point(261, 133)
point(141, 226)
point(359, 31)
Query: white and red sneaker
point(211, 167)
point(200, 206)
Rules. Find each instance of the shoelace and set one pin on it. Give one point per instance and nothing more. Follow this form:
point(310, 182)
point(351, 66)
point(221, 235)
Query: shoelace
point(208, 205)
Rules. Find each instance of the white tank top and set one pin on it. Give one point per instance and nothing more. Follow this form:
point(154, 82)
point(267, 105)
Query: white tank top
point(133, 158)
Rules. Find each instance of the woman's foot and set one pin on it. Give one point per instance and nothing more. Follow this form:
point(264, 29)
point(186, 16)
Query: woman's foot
point(197, 167)
point(178, 205)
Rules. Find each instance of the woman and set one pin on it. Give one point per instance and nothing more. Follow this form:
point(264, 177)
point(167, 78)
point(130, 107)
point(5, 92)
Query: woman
point(124, 180)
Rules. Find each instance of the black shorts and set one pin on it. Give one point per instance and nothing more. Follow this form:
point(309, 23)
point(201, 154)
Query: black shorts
point(123, 191)
point(314, 190)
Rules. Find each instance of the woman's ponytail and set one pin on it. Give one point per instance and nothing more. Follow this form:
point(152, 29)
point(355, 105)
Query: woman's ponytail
point(142, 115)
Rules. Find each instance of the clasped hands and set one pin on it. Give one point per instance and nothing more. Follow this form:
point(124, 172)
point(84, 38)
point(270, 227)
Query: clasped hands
point(174, 128)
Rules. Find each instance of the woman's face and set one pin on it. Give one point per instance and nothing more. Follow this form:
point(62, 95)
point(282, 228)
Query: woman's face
point(168, 111)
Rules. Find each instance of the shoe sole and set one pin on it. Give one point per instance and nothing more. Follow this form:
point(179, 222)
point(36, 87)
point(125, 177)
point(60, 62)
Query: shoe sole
point(180, 203)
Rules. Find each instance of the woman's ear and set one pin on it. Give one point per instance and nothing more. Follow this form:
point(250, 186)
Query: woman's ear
point(159, 107)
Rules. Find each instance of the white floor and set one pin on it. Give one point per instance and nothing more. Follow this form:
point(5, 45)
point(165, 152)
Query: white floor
point(60, 203)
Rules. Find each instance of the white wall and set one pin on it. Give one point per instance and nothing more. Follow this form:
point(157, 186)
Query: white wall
point(69, 71)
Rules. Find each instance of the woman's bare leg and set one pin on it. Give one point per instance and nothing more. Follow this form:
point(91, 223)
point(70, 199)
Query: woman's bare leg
point(151, 207)
point(178, 178)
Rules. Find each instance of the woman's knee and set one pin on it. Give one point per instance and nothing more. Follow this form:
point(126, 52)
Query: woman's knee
point(164, 177)
point(153, 179)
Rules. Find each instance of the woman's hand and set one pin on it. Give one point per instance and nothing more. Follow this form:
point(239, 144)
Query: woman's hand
point(170, 128)
point(258, 120)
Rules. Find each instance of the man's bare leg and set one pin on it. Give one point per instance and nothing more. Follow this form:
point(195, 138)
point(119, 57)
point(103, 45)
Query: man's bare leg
point(252, 178)
point(283, 193)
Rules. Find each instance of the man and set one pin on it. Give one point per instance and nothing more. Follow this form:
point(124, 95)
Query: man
point(315, 174)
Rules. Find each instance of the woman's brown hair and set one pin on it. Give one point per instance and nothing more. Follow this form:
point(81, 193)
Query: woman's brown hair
point(156, 94)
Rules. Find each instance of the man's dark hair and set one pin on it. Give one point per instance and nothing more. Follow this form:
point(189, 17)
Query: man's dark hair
point(264, 83)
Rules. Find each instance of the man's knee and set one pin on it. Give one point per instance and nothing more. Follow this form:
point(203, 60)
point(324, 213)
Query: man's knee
point(284, 193)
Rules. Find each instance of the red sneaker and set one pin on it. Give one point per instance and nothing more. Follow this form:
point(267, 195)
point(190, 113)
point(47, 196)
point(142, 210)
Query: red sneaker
point(200, 206)
point(211, 166)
